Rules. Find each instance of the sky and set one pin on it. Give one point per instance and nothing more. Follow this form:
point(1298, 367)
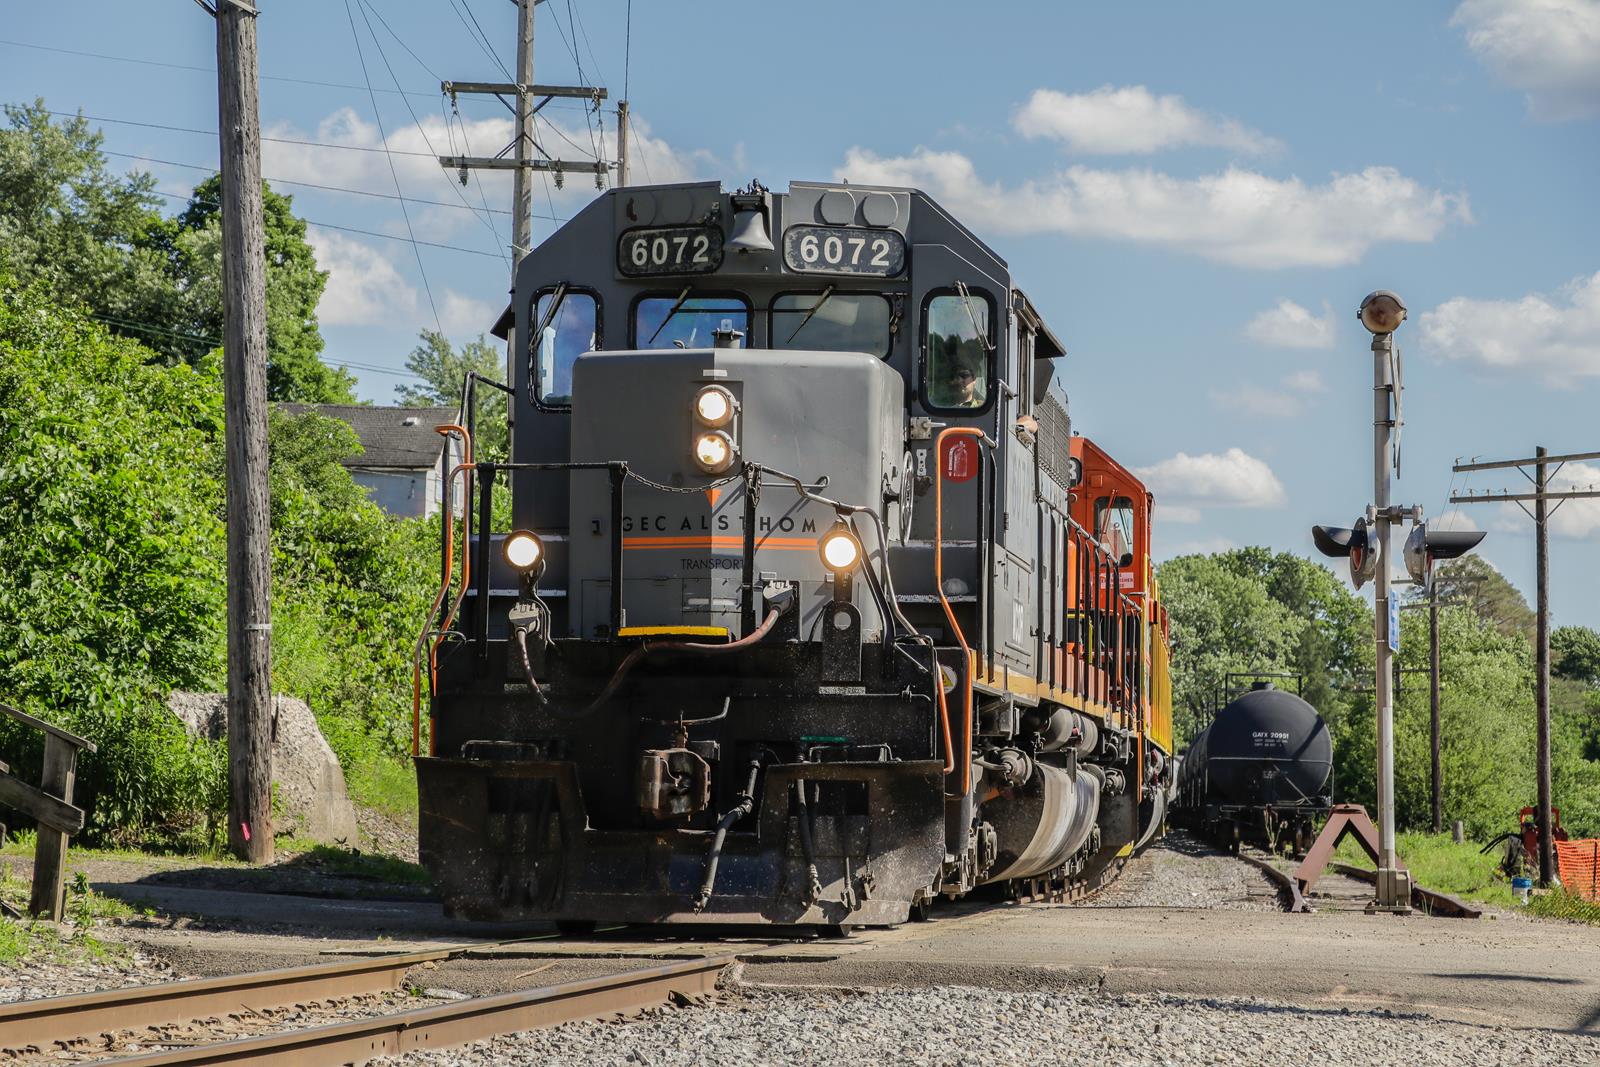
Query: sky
point(1195, 196)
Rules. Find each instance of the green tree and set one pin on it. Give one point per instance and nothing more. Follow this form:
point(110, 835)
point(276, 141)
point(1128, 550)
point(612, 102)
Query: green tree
point(98, 240)
point(1575, 654)
point(90, 237)
point(294, 288)
point(1473, 583)
point(444, 368)
point(1252, 610)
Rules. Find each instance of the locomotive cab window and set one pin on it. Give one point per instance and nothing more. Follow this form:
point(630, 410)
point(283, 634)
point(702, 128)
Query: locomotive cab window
point(957, 343)
point(685, 320)
point(1113, 525)
point(832, 321)
point(565, 326)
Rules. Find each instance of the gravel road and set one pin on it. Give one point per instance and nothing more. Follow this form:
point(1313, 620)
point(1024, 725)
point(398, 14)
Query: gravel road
point(961, 1025)
point(1181, 871)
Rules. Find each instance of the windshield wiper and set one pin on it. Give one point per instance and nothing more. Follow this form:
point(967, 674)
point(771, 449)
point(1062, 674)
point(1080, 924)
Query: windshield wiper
point(966, 302)
point(677, 306)
point(556, 299)
point(823, 299)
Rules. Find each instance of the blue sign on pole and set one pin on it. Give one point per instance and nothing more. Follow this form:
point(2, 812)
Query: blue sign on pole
point(1394, 623)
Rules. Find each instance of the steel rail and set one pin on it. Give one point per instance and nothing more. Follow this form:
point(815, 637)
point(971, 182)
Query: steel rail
point(42, 1023)
point(1288, 887)
point(458, 1023)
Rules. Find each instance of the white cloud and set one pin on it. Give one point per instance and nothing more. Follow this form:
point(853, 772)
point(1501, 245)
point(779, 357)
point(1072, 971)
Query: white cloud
point(364, 287)
point(1131, 119)
point(1576, 520)
point(1232, 479)
point(464, 315)
point(413, 149)
point(1237, 216)
point(1180, 513)
point(1454, 519)
point(1199, 546)
point(1556, 337)
point(1550, 49)
point(1287, 399)
point(1291, 326)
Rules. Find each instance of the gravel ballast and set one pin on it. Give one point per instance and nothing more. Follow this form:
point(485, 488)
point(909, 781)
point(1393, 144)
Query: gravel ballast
point(1181, 871)
point(962, 1025)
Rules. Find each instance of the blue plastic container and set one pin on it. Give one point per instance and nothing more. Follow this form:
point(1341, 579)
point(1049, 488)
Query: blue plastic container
point(1520, 886)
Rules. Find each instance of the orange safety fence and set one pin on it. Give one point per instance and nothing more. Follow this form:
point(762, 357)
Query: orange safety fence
point(1578, 864)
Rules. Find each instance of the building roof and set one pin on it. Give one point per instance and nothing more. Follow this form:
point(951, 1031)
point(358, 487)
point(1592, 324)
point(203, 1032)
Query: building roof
point(393, 438)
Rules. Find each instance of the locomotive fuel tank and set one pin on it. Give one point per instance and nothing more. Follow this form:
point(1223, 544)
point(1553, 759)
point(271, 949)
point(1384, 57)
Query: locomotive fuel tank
point(1266, 747)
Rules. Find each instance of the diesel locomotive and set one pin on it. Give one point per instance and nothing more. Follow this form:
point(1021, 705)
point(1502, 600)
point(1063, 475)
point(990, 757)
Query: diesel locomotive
point(812, 609)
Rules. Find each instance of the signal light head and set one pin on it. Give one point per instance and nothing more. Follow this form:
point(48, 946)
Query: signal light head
point(1382, 312)
point(714, 452)
point(523, 550)
point(839, 549)
point(715, 406)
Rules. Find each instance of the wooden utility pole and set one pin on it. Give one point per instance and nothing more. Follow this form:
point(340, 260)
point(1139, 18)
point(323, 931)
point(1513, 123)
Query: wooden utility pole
point(622, 143)
point(244, 382)
point(1541, 496)
point(1433, 707)
point(526, 156)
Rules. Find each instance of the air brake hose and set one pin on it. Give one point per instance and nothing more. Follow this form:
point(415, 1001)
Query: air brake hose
point(742, 807)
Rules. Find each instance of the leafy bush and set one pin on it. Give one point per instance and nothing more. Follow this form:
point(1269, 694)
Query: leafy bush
point(110, 578)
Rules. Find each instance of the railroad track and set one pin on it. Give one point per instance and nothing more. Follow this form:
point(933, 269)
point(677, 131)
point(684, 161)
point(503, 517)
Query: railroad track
point(47, 1027)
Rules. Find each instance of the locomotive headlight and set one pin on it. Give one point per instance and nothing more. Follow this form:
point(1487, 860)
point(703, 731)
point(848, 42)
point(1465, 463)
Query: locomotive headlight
point(714, 452)
point(715, 406)
point(839, 549)
point(523, 550)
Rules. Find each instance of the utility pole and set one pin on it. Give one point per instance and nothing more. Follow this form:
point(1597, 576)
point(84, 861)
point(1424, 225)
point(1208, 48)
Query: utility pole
point(525, 154)
point(622, 143)
point(1433, 708)
point(244, 381)
point(1541, 497)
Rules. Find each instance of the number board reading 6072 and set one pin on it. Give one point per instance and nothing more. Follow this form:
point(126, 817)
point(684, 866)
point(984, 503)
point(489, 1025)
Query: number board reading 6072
point(670, 250)
point(843, 250)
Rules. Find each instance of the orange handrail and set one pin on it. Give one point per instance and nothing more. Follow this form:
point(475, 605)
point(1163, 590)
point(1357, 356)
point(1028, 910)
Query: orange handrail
point(949, 612)
point(444, 589)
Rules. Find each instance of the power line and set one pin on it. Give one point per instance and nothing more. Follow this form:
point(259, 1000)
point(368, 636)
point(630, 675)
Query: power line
point(200, 70)
point(480, 38)
point(184, 335)
point(363, 5)
point(341, 226)
point(393, 173)
point(324, 188)
point(213, 133)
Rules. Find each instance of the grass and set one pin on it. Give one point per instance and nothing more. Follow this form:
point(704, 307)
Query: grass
point(1437, 862)
point(24, 941)
point(352, 864)
point(389, 785)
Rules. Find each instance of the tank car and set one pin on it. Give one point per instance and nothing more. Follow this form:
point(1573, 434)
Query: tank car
point(813, 608)
point(1261, 772)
